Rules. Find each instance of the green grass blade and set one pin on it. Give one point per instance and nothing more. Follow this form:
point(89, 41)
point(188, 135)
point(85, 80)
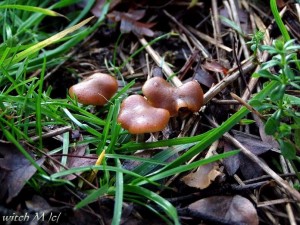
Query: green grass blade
point(92, 196)
point(35, 48)
point(180, 169)
point(118, 195)
point(47, 12)
point(39, 107)
point(169, 209)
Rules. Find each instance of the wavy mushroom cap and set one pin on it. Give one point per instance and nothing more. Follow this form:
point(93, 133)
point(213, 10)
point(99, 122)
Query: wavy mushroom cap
point(138, 116)
point(161, 94)
point(97, 89)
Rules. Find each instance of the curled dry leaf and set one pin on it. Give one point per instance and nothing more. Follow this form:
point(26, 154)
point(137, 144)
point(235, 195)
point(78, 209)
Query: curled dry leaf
point(97, 8)
point(215, 66)
point(130, 23)
point(203, 177)
point(232, 209)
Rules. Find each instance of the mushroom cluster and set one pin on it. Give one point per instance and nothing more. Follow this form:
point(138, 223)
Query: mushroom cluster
point(139, 114)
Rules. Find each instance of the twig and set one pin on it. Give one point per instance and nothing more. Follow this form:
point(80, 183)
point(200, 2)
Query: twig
point(209, 39)
point(249, 107)
point(52, 133)
point(237, 21)
point(227, 80)
point(196, 42)
point(158, 60)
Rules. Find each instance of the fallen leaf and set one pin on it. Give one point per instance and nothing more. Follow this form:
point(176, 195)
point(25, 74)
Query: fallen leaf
point(130, 23)
point(15, 171)
point(77, 158)
point(248, 168)
point(97, 8)
point(205, 78)
point(253, 143)
point(203, 177)
point(232, 209)
point(264, 137)
point(38, 203)
point(214, 66)
point(232, 163)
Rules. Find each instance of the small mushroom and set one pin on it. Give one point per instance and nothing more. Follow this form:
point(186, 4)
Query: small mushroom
point(161, 94)
point(138, 116)
point(95, 90)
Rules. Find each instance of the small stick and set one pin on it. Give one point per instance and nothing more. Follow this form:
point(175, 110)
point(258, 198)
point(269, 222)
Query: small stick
point(196, 42)
point(128, 66)
point(249, 107)
point(212, 92)
point(209, 39)
point(188, 64)
point(237, 21)
point(53, 133)
point(166, 69)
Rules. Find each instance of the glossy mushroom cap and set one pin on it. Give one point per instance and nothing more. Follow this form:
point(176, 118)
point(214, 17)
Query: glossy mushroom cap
point(161, 94)
point(138, 116)
point(95, 90)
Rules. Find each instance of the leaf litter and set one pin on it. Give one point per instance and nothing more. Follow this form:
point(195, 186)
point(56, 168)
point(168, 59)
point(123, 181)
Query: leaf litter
point(234, 209)
point(15, 171)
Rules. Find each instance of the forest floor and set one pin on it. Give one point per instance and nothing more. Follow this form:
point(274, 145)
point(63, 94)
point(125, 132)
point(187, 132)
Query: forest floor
point(53, 167)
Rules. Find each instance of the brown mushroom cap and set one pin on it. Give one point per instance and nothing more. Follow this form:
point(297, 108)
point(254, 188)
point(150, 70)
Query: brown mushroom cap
point(95, 90)
point(138, 116)
point(161, 94)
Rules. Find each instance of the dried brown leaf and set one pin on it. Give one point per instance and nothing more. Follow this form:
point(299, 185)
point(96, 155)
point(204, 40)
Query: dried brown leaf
point(232, 209)
point(214, 66)
point(264, 137)
point(232, 163)
point(254, 144)
point(15, 171)
point(97, 8)
point(130, 23)
point(78, 158)
point(248, 168)
point(205, 78)
point(203, 177)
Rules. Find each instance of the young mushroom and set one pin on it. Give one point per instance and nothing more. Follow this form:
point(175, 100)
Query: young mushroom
point(138, 116)
point(161, 94)
point(94, 90)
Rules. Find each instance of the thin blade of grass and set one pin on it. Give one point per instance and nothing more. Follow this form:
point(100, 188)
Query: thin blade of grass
point(29, 8)
point(184, 168)
point(169, 209)
point(33, 49)
point(92, 196)
point(119, 191)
